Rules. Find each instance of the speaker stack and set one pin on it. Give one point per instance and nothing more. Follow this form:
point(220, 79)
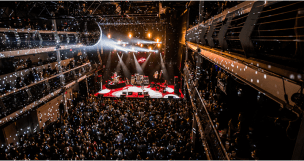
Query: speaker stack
point(176, 85)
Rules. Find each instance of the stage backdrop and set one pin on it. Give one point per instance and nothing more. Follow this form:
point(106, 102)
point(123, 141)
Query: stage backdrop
point(131, 65)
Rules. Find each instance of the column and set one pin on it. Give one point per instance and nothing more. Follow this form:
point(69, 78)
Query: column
point(54, 26)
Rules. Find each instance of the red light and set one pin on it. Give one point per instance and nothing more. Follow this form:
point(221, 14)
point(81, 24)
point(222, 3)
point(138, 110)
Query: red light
point(70, 49)
point(141, 60)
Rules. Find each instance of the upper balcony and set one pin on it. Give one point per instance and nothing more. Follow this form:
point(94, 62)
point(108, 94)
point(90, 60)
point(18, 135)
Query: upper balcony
point(19, 42)
point(268, 35)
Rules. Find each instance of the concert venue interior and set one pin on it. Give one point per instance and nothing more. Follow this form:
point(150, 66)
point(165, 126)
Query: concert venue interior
point(128, 80)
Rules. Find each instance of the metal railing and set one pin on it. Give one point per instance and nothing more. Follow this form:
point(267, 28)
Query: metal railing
point(200, 127)
point(43, 80)
point(270, 32)
point(18, 99)
point(48, 96)
point(217, 148)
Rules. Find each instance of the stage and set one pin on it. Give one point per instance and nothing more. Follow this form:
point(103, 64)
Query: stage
point(153, 93)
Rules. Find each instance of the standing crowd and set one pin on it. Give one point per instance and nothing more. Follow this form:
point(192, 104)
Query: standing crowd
point(100, 128)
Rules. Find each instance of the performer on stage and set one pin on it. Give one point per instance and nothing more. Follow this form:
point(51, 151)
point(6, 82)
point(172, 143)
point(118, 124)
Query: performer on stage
point(155, 76)
point(166, 83)
point(164, 86)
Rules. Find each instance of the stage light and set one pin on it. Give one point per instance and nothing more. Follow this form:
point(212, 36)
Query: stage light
point(150, 48)
point(138, 43)
point(130, 35)
point(141, 60)
point(149, 35)
point(119, 42)
point(109, 36)
point(157, 40)
point(141, 45)
point(124, 45)
point(158, 45)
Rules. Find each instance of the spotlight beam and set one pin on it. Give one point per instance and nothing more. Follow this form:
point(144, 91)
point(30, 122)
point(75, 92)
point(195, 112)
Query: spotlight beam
point(163, 67)
point(118, 64)
point(111, 44)
point(145, 63)
point(138, 67)
point(125, 69)
point(108, 66)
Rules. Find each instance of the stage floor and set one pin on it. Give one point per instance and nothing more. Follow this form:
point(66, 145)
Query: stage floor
point(153, 93)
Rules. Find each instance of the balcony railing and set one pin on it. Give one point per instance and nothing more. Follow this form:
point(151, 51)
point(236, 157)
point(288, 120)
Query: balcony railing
point(18, 42)
point(216, 146)
point(265, 31)
point(22, 97)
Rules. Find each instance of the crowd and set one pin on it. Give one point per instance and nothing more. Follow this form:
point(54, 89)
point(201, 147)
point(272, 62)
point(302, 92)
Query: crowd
point(100, 128)
point(22, 98)
point(249, 125)
point(229, 120)
point(35, 76)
